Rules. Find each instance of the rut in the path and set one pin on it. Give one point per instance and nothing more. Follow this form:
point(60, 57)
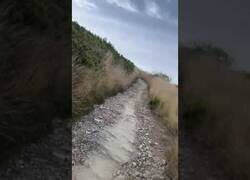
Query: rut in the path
point(119, 140)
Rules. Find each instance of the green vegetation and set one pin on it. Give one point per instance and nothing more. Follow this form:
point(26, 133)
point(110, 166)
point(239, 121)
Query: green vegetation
point(155, 102)
point(89, 49)
point(98, 70)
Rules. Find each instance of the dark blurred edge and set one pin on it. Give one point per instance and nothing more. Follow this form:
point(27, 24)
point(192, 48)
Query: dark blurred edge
point(214, 86)
point(35, 68)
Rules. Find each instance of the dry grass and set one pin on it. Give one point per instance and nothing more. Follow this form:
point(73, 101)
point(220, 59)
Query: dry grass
point(164, 102)
point(172, 159)
point(92, 86)
point(167, 95)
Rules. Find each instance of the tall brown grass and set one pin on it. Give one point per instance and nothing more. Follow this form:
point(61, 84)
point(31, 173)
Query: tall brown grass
point(166, 94)
point(172, 158)
point(92, 86)
point(164, 102)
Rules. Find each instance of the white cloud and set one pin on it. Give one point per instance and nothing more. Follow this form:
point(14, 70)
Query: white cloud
point(125, 4)
point(153, 10)
point(85, 4)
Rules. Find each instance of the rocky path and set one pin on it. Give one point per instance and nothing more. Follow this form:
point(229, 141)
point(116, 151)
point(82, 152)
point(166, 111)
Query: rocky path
point(119, 140)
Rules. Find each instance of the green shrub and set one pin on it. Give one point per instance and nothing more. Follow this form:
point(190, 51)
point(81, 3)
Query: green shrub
point(129, 66)
point(155, 102)
point(90, 49)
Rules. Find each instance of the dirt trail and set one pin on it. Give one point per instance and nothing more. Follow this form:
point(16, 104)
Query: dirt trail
point(120, 139)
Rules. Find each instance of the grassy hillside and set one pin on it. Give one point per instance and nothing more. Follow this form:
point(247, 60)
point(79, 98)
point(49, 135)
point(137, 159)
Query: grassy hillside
point(215, 101)
point(98, 70)
point(89, 49)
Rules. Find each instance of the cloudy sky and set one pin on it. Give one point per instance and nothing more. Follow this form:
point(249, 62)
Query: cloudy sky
point(144, 31)
point(228, 26)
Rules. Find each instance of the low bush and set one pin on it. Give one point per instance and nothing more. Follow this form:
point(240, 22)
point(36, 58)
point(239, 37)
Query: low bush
point(155, 103)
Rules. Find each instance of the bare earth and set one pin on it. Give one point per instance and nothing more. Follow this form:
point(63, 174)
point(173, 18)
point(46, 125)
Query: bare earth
point(120, 139)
